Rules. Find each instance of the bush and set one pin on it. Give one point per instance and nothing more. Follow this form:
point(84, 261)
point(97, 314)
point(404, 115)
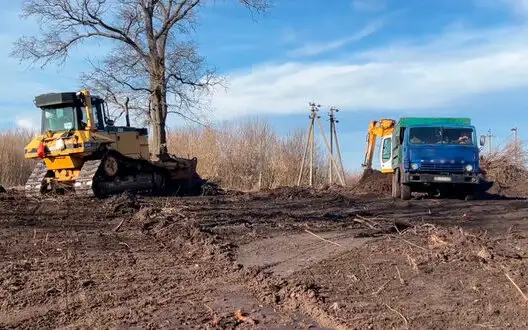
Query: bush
point(507, 168)
point(14, 169)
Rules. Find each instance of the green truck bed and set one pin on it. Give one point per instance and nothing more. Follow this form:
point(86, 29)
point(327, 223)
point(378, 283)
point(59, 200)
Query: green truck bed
point(426, 121)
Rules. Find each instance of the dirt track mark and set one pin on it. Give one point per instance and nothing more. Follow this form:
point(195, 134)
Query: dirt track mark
point(284, 255)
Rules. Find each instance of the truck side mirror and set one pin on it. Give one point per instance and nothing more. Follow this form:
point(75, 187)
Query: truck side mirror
point(482, 140)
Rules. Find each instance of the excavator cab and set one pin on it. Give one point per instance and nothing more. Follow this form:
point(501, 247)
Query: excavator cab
point(382, 129)
point(386, 154)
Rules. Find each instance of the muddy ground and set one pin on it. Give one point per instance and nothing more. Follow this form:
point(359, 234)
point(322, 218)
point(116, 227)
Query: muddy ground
point(280, 259)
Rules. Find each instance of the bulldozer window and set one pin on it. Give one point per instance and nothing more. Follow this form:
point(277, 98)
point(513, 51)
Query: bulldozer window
point(60, 119)
point(98, 116)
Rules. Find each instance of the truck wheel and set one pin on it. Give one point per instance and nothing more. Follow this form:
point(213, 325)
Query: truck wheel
point(406, 192)
point(396, 191)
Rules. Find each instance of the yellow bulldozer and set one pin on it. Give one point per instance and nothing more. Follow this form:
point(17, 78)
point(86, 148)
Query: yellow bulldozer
point(82, 150)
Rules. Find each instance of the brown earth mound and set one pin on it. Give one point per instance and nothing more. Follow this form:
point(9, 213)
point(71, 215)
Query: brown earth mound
point(507, 170)
point(373, 182)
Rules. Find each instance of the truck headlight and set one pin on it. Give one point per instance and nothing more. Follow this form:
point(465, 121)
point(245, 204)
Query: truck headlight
point(414, 166)
point(469, 168)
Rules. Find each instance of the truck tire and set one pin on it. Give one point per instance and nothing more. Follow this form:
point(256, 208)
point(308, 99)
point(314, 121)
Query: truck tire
point(406, 192)
point(396, 191)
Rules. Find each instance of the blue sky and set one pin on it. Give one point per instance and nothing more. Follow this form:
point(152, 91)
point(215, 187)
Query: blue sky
point(370, 58)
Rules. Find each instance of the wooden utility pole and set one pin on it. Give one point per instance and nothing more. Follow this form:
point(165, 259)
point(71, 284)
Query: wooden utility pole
point(328, 148)
point(332, 123)
point(309, 144)
point(515, 131)
point(339, 152)
point(333, 135)
point(490, 140)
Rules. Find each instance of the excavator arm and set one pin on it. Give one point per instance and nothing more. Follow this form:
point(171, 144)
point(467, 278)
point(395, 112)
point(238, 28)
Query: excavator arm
point(371, 145)
point(381, 128)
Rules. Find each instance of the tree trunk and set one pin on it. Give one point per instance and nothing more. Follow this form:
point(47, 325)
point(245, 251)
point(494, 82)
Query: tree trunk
point(159, 115)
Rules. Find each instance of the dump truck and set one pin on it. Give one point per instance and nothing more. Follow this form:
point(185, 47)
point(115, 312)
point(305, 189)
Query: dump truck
point(80, 149)
point(435, 156)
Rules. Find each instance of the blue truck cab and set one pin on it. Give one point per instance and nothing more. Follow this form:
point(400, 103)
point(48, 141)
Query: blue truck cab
point(434, 155)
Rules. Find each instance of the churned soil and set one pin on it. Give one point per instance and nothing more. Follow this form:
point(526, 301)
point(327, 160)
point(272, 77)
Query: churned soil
point(290, 258)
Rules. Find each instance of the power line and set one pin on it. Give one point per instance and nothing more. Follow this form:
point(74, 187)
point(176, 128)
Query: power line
point(310, 142)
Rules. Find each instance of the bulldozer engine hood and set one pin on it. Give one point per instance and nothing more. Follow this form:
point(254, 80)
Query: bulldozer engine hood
point(53, 144)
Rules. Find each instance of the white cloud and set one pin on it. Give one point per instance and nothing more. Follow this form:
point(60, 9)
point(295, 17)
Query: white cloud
point(369, 5)
point(26, 123)
point(426, 75)
point(518, 7)
point(312, 49)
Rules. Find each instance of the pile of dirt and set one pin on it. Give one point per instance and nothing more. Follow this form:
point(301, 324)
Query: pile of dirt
point(125, 203)
point(508, 170)
point(373, 182)
point(454, 244)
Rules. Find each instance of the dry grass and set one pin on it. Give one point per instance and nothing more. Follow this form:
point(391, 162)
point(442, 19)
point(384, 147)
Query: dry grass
point(14, 169)
point(242, 155)
point(507, 168)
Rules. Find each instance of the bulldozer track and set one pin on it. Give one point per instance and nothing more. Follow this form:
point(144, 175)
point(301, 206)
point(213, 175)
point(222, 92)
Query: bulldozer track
point(34, 183)
point(83, 184)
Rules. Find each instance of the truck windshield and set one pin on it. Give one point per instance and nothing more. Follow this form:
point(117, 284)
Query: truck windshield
point(441, 135)
point(59, 119)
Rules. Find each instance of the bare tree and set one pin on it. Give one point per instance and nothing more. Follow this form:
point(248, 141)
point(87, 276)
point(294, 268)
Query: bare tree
point(120, 99)
point(149, 58)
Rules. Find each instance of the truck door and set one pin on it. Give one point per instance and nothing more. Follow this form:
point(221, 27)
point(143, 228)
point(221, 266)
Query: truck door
point(386, 154)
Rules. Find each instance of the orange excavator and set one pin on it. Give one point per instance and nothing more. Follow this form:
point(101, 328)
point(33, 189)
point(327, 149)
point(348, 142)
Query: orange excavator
point(383, 129)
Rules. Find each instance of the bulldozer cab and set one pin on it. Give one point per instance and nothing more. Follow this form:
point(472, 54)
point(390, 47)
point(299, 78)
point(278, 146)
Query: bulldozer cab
point(72, 112)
